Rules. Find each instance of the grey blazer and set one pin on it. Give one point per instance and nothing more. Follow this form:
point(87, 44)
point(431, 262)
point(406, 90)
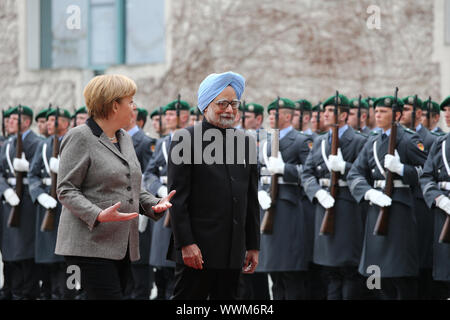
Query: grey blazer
point(93, 175)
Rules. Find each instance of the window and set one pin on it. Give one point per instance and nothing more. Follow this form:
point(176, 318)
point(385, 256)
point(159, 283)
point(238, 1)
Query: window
point(110, 32)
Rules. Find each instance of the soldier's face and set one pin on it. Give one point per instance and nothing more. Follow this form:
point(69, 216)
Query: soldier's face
point(250, 121)
point(447, 115)
point(170, 118)
point(352, 120)
point(328, 116)
point(42, 126)
point(406, 118)
point(383, 117)
point(14, 121)
point(296, 119)
point(81, 118)
point(155, 123)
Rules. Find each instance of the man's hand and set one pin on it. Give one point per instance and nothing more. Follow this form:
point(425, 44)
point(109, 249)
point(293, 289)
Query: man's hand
point(443, 203)
point(21, 164)
point(378, 198)
point(192, 256)
point(251, 261)
point(393, 164)
point(325, 199)
point(111, 214)
point(54, 165)
point(337, 163)
point(164, 204)
point(276, 165)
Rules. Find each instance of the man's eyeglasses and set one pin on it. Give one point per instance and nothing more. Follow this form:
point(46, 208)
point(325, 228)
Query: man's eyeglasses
point(223, 104)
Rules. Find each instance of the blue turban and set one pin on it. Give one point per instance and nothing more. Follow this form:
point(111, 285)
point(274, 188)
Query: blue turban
point(215, 83)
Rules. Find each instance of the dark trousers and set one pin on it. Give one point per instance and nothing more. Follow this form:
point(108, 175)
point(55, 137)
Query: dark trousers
point(6, 293)
point(290, 285)
point(164, 281)
point(54, 281)
point(103, 279)
point(254, 286)
point(399, 288)
point(215, 284)
point(317, 284)
point(344, 283)
point(142, 281)
point(24, 280)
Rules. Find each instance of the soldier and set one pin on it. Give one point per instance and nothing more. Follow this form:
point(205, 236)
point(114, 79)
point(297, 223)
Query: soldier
point(396, 254)
point(43, 164)
point(155, 181)
point(371, 117)
point(254, 286)
point(41, 121)
point(339, 253)
point(142, 277)
point(158, 122)
point(424, 216)
point(194, 116)
point(303, 109)
point(353, 116)
point(18, 242)
point(141, 117)
point(435, 116)
point(435, 183)
point(285, 253)
point(80, 116)
point(317, 123)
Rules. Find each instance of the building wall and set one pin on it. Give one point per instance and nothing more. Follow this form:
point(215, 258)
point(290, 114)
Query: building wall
point(295, 49)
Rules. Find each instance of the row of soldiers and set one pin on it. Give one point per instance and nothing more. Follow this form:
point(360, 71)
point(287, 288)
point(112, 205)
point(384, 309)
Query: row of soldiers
point(301, 263)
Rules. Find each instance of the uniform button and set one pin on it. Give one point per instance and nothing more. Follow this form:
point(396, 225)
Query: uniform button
point(129, 188)
point(130, 201)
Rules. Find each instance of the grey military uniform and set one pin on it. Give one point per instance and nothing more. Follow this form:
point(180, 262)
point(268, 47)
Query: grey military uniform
point(288, 248)
point(18, 243)
point(40, 182)
point(432, 181)
point(155, 176)
point(396, 253)
point(343, 248)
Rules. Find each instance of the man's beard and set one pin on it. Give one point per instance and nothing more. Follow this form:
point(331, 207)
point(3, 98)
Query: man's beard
point(223, 120)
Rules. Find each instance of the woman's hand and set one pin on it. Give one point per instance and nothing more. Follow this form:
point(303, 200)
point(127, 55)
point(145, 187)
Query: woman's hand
point(164, 204)
point(111, 214)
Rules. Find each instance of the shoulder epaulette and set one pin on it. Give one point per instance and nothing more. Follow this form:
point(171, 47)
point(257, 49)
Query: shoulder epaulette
point(438, 134)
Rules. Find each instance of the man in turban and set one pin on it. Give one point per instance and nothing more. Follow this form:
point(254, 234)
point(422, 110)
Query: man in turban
point(215, 216)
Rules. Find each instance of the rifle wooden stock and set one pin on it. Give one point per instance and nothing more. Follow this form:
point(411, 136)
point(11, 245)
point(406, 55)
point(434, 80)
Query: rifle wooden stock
point(381, 226)
point(269, 214)
point(167, 220)
point(14, 215)
point(444, 237)
point(48, 224)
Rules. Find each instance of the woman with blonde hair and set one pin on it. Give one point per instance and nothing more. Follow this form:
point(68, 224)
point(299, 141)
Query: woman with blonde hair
point(99, 173)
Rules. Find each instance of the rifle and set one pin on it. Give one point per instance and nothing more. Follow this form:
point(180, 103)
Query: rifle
point(318, 119)
point(429, 113)
point(160, 122)
point(269, 214)
point(3, 123)
point(14, 215)
point(413, 116)
point(327, 227)
point(300, 119)
point(359, 113)
point(243, 115)
point(381, 226)
point(48, 224)
point(177, 108)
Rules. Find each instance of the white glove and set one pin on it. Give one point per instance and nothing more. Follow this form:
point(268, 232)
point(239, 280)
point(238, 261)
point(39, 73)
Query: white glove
point(393, 164)
point(378, 198)
point(143, 220)
point(54, 165)
point(47, 201)
point(21, 165)
point(11, 197)
point(325, 199)
point(337, 163)
point(276, 165)
point(162, 192)
point(264, 199)
point(443, 202)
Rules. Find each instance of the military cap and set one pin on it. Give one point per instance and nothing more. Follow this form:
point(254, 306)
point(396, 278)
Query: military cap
point(434, 106)
point(194, 111)
point(252, 107)
point(445, 103)
point(7, 112)
point(285, 103)
point(25, 110)
point(156, 112)
point(388, 101)
point(370, 101)
point(142, 112)
point(82, 109)
point(355, 102)
point(303, 104)
point(342, 101)
point(171, 106)
point(62, 113)
point(41, 114)
point(318, 107)
point(409, 100)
